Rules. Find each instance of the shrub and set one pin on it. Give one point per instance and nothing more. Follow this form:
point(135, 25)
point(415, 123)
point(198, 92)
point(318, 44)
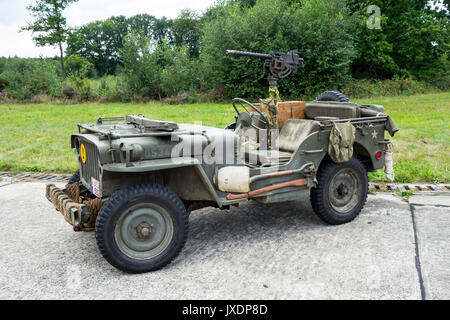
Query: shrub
point(25, 78)
point(179, 75)
point(152, 70)
point(110, 89)
point(179, 99)
point(320, 30)
point(397, 86)
point(142, 65)
point(3, 84)
point(69, 91)
point(77, 66)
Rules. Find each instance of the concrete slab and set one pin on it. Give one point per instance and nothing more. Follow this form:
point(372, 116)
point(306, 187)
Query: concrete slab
point(280, 251)
point(433, 232)
point(431, 200)
point(5, 181)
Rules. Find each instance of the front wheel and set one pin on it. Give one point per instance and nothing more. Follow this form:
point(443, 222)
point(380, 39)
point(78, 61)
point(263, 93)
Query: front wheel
point(75, 178)
point(142, 228)
point(341, 192)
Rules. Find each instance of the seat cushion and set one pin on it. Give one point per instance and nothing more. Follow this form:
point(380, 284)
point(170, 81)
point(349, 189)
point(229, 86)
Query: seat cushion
point(341, 110)
point(267, 156)
point(294, 132)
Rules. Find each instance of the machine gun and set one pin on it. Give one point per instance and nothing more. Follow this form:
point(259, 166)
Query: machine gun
point(278, 65)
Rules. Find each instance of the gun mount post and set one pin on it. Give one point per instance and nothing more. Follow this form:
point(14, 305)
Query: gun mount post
point(277, 66)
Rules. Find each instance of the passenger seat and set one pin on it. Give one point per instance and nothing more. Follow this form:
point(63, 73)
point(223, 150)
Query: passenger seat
point(293, 133)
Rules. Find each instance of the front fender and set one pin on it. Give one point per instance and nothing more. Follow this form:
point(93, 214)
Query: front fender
point(151, 165)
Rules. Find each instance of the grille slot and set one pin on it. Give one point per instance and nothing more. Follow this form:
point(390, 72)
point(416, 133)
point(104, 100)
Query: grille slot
point(90, 169)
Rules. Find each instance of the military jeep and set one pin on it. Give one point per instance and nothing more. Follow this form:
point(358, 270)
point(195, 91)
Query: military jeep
point(140, 178)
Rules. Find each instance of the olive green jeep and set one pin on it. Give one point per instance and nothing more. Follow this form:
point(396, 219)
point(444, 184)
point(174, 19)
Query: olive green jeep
point(140, 178)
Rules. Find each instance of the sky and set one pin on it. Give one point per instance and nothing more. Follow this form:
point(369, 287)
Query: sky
point(13, 15)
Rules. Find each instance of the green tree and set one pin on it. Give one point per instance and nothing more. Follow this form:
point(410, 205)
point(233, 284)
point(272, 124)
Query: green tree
point(99, 42)
point(187, 32)
point(49, 26)
point(162, 30)
point(179, 72)
point(142, 65)
point(442, 6)
point(413, 39)
point(320, 30)
point(245, 3)
point(142, 23)
point(156, 70)
point(77, 66)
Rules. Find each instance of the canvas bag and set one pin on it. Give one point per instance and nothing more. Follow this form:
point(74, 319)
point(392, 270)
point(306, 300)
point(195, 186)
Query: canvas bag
point(342, 137)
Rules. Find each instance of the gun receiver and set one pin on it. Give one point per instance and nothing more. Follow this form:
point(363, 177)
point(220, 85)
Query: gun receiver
point(278, 65)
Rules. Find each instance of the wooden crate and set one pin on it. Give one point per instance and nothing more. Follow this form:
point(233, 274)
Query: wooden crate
point(287, 110)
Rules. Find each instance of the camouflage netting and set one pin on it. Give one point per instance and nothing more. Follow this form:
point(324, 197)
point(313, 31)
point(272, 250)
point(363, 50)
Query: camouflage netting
point(73, 192)
point(271, 104)
point(94, 207)
point(342, 137)
point(62, 202)
point(391, 127)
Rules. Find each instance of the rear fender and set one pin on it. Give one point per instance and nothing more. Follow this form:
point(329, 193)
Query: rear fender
point(367, 144)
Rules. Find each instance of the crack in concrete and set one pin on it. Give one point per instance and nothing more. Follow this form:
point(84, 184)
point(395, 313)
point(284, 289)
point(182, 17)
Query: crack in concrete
point(416, 244)
point(429, 205)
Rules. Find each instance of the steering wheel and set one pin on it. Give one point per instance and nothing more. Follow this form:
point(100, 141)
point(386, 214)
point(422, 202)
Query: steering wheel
point(243, 103)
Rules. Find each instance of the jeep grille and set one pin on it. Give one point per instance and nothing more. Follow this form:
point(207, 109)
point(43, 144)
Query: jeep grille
point(90, 169)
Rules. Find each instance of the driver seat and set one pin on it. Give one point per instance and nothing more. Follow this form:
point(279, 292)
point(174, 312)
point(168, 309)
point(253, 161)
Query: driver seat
point(292, 135)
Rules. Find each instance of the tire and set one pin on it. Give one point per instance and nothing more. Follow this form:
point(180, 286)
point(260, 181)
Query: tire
point(75, 178)
point(142, 228)
point(332, 96)
point(341, 192)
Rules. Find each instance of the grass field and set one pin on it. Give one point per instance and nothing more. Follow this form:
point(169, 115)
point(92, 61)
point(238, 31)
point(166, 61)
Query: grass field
point(36, 137)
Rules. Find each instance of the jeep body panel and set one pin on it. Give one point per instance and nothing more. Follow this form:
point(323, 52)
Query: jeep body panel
point(123, 154)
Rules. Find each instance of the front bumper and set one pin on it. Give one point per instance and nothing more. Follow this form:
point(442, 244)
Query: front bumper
point(79, 213)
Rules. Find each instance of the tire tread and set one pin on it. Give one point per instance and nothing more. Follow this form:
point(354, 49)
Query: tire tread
point(332, 96)
point(317, 193)
point(120, 197)
point(75, 178)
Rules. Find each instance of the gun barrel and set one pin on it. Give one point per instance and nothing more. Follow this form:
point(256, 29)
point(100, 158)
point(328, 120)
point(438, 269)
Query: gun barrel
point(249, 54)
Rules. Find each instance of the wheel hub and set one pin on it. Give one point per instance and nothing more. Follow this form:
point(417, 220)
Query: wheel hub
point(344, 190)
point(144, 231)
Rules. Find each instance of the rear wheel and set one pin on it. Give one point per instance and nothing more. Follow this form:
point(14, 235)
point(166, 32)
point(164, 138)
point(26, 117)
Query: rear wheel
point(341, 192)
point(332, 96)
point(142, 228)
